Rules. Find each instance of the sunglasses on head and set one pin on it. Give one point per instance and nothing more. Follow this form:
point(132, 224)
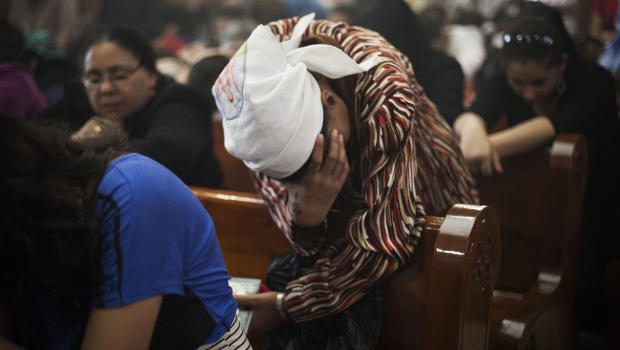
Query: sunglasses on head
point(510, 39)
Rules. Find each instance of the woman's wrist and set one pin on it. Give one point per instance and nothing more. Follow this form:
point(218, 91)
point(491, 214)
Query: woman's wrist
point(280, 307)
point(469, 121)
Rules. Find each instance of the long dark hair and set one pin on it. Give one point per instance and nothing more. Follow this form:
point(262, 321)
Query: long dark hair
point(48, 225)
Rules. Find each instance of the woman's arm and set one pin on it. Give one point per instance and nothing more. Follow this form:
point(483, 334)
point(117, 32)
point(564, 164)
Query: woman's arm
point(522, 137)
point(476, 145)
point(127, 327)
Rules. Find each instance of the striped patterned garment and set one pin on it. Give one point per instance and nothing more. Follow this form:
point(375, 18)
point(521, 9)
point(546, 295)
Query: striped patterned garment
point(409, 164)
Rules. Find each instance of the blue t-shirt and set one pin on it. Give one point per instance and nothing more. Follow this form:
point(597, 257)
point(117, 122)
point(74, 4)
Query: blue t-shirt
point(157, 239)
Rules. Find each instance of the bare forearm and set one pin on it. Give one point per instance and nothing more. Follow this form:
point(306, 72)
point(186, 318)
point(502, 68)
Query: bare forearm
point(522, 137)
point(469, 122)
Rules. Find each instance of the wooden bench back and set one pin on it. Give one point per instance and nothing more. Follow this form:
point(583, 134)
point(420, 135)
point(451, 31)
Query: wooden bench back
point(440, 300)
point(248, 237)
point(538, 199)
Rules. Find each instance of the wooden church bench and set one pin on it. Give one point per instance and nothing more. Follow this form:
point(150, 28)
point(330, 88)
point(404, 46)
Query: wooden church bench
point(539, 199)
point(439, 300)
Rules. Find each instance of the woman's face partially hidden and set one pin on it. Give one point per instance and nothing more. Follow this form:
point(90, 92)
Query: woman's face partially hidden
point(116, 84)
point(534, 81)
point(335, 112)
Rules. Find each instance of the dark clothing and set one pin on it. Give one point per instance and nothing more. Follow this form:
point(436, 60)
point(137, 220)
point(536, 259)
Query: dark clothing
point(587, 107)
point(440, 75)
point(19, 94)
point(446, 87)
point(72, 108)
point(174, 128)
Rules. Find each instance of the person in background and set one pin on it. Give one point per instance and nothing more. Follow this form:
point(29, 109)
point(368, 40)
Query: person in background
point(610, 59)
point(546, 89)
point(59, 20)
point(303, 7)
point(466, 43)
point(19, 94)
point(602, 26)
point(235, 35)
point(103, 249)
point(349, 154)
point(164, 120)
point(341, 13)
point(440, 75)
point(203, 74)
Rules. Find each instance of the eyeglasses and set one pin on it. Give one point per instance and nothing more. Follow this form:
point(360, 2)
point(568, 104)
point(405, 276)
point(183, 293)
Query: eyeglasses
point(528, 39)
point(93, 81)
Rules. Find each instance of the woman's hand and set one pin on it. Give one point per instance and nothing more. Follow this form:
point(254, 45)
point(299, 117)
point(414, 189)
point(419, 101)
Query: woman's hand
point(480, 154)
point(96, 128)
point(476, 145)
point(314, 194)
point(265, 316)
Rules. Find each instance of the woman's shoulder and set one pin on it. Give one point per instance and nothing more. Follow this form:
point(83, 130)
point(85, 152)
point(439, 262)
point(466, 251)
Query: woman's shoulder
point(588, 72)
point(130, 162)
point(139, 174)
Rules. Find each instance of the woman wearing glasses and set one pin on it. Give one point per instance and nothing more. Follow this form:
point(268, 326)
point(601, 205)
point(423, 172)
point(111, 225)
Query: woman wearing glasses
point(546, 89)
point(163, 120)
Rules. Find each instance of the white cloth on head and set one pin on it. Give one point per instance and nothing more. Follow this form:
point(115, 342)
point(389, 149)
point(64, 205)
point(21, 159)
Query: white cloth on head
point(270, 102)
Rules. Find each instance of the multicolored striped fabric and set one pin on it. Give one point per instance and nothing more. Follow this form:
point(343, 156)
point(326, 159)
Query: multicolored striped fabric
point(409, 165)
point(233, 339)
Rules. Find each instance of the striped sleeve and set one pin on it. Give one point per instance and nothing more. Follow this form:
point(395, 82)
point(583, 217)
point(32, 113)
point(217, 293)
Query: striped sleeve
point(385, 232)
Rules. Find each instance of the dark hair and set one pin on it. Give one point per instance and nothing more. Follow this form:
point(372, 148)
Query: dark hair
point(129, 39)
point(532, 39)
point(11, 42)
point(203, 74)
point(48, 225)
point(553, 16)
point(548, 36)
point(433, 19)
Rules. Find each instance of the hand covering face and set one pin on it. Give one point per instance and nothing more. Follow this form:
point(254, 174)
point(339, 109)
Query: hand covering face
point(271, 103)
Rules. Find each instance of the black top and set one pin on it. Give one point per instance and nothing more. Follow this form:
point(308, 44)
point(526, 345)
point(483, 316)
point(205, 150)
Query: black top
point(174, 128)
point(445, 90)
point(588, 101)
point(588, 107)
point(440, 75)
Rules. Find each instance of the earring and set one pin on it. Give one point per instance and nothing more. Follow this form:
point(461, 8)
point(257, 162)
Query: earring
point(560, 87)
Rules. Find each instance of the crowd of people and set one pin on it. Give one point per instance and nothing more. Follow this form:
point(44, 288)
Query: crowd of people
point(383, 110)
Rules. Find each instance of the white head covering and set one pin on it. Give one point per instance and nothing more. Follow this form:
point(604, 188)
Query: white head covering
point(270, 102)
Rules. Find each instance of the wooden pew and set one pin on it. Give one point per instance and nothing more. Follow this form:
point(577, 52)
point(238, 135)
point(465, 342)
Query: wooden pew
point(237, 177)
point(440, 300)
point(538, 198)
